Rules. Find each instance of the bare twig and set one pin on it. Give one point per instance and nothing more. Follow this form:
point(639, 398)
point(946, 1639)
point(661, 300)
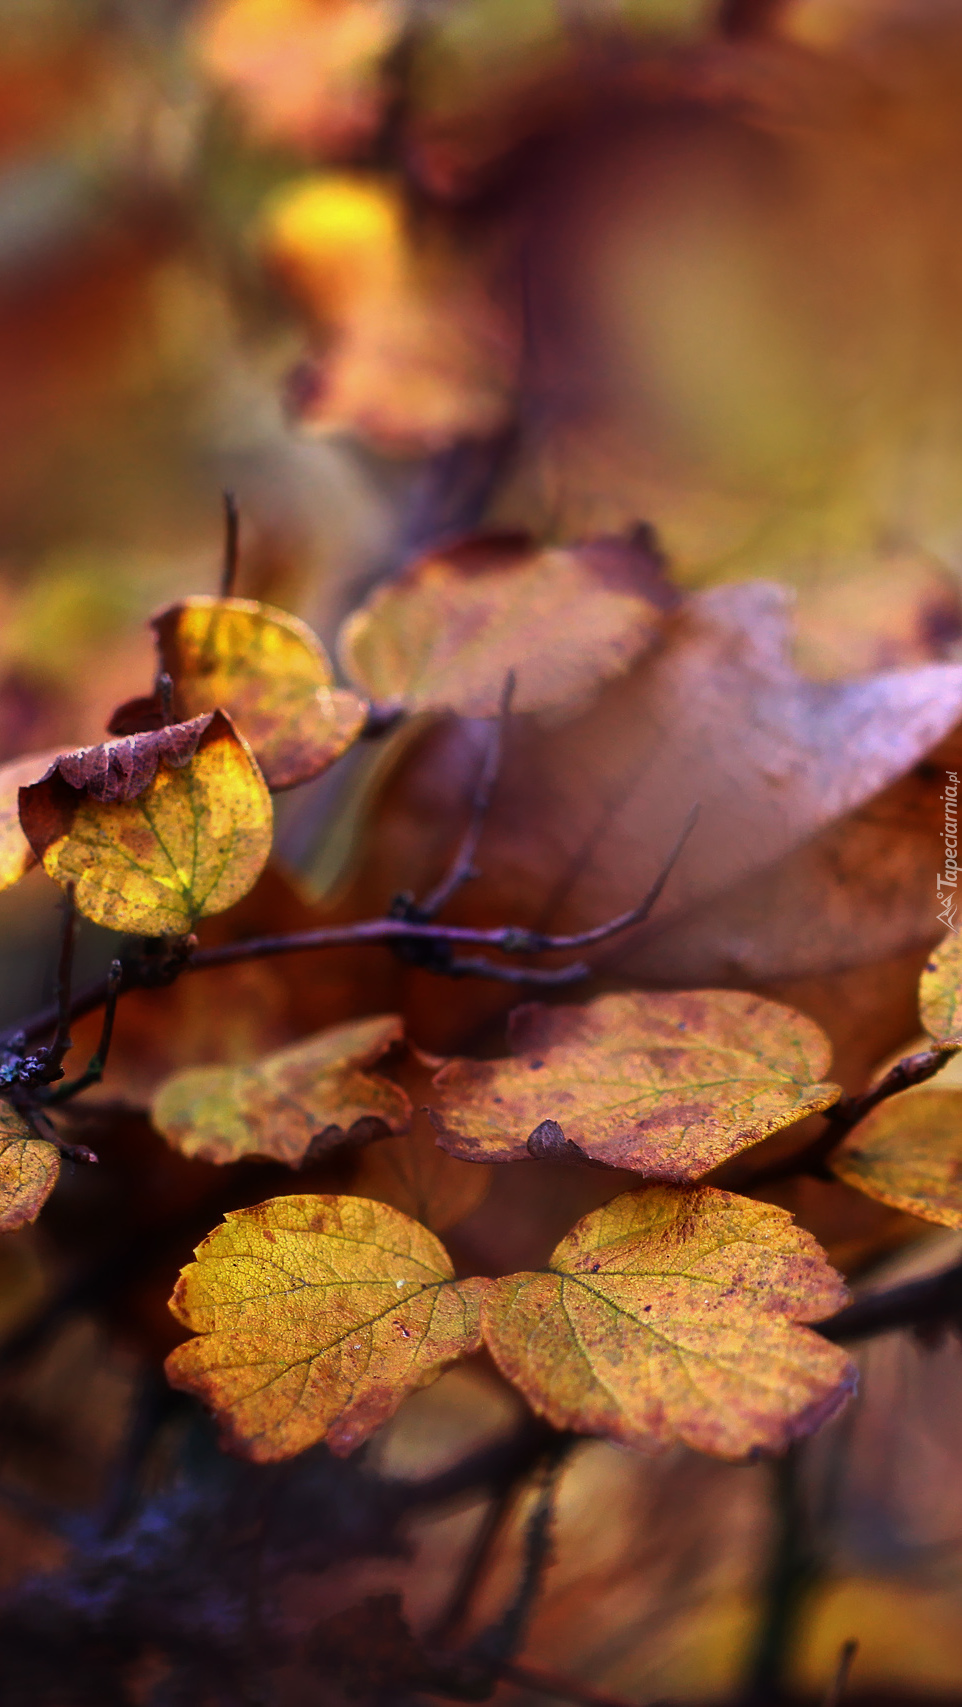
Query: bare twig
point(839, 1683)
point(61, 1039)
point(94, 1071)
point(463, 868)
point(164, 689)
point(228, 579)
point(930, 1302)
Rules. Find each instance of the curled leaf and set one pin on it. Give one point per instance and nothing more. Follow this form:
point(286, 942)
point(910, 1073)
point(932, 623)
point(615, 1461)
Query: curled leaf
point(309, 1096)
point(673, 1315)
point(668, 1084)
point(16, 854)
point(270, 673)
point(908, 1153)
point(154, 830)
point(29, 1168)
point(317, 1316)
point(563, 620)
point(940, 993)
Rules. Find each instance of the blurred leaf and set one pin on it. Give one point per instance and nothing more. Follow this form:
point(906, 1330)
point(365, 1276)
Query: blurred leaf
point(155, 830)
point(317, 1090)
point(445, 636)
point(669, 1084)
point(16, 854)
point(416, 1176)
point(29, 1169)
point(317, 1315)
point(908, 1153)
point(940, 993)
point(671, 1315)
point(272, 676)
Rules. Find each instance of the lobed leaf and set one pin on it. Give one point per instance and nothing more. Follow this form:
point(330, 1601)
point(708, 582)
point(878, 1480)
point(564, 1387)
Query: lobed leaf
point(16, 854)
point(155, 830)
point(668, 1084)
point(673, 1315)
point(270, 673)
point(29, 1169)
point(940, 993)
point(907, 1152)
point(317, 1316)
point(445, 635)
point(316, 1090)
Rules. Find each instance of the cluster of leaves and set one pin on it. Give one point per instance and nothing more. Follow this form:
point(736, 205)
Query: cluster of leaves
point(677, 1311)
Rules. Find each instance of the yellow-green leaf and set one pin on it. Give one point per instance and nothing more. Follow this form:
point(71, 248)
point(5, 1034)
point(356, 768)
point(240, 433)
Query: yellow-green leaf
point(673, 1315)
point(154, 830)
point(28, 1170)
point(317, 1316)
point(270, 672)
point(318, 1089)
point(908, 1153)
point(446, 634)
point(668, 1084)
point(16, 854)
point(940, 993)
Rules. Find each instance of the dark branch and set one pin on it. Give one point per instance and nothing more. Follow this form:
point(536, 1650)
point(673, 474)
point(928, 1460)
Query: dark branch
point(228, 579)
point(463, 867)
point(94, 1071)
point(935, 1301)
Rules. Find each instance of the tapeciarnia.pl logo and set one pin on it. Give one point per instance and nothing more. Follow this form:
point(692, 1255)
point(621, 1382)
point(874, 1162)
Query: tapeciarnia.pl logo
point(947, 881)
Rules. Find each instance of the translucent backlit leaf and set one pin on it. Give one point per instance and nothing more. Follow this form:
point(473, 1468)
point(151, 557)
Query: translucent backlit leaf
point(668, 1084)
point(908, 1153)
point(16, 854)
point(316, 1090)
point(317, 1316)
point(154, 830)
point(673, 1315)
point(447, 633)
point(28, 1170)
point(940, 992)
point(270, 673)
point(414, 1175)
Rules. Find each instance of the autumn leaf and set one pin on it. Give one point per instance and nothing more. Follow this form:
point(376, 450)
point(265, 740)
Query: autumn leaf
point(667, 1083)
point(940, 993)
point(269, 672)
point(29, 1168)
point(446, 634)
point(16, 854)
point(414, 1175)
point(309, 1096)
point(673, 1315)
point(907, 1153)
point(154, 830)
point(317, 1316)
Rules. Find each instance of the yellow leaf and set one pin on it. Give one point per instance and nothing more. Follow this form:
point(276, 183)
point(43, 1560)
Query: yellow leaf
point(276, 1107)
point(317, 1316)
point(28, 1170)
point(908, 1153)
point(446, 634)
point(16, 854)
point(155, 830)
point(940, 993)
point(668, 1084)
point(270, 673)
point(672, 1315)
point(414, 1175)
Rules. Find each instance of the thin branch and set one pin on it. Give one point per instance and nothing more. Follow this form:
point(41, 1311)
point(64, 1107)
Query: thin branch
point(839, 1683)
point(463, 867)
point(228, 579)
point(931, 1302)
point(94, 1071)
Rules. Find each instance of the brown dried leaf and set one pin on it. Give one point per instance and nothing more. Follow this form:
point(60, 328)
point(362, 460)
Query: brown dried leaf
point(668, 1084)
point(307, 1097)
point(16, 854)
point(908, 1153)
point(317, 1316)
point(672, 1315)
point(29, 1168)
point(940, 993)
point(446, 634)
point(270, 673)
point(416, 1176)
point(154, 830)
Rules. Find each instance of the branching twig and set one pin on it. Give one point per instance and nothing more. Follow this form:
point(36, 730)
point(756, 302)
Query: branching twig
point(463, 867)
point(94, 1070)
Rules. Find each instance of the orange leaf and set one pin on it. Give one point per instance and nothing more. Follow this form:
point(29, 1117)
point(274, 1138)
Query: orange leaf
point(317, 1316)
point(671, 1315)
point(446, 634)
point(907, 1153)
point(270, 673)
point(668, 1084)
point(16, 854)
point(29, 1169)
point(315, 1090)
point(940, 993)
point(414, 1175)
